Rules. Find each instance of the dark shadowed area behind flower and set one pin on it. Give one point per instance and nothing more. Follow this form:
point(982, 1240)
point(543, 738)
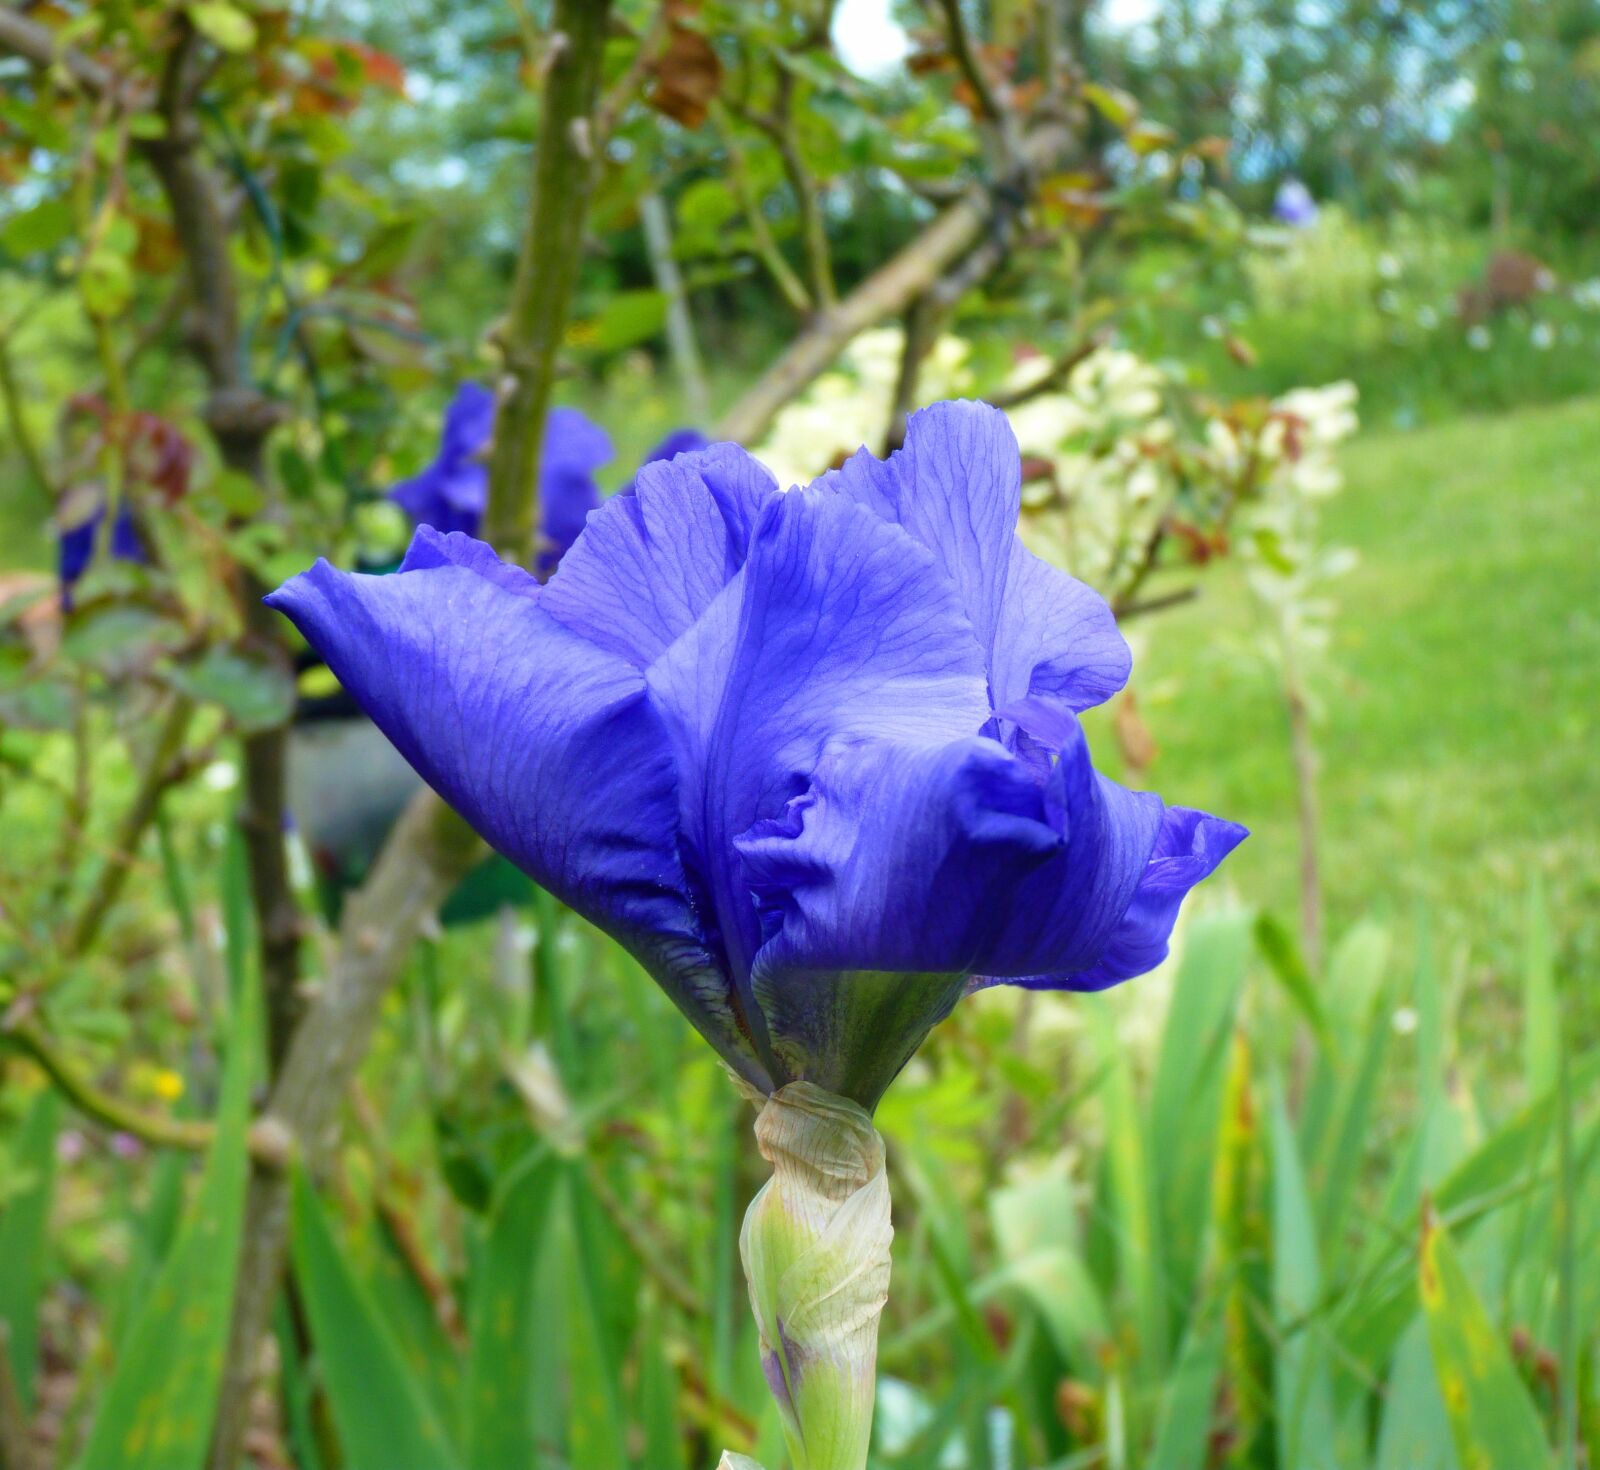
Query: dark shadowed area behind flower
point(813, 757)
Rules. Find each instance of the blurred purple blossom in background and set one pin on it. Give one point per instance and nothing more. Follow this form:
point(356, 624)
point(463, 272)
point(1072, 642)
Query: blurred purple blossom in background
point(1293, 205)
point(452, 493)
point(75, 545)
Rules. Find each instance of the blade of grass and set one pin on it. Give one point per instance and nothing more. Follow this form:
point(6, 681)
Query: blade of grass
point(502, 1408)
point(158, 1409)
point(25, 1238)
point(382, 1413)
point(1302, 1389)
point(1491, 1415)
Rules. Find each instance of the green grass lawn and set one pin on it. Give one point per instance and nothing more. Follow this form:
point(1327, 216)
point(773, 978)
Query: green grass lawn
point(1460, 704)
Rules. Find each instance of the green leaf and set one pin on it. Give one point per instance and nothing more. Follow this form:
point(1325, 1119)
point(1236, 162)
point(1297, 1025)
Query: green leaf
point(1414, 1433)
point(36, 230)
point(1140, 1269)
point(1186, 1098)
point(506, 1327)
point(1113, 104)
point(627, 319)
point(1282, 955)
point(224, 25)
point(413, 1318)
point(383, 1416)
point(1352, 1130)
point(1184, 1432)
point(1301, 1386)
point(1033, 1232)
point(238, 493)
point(119, 638)
point(106, 281)
point(658, 1399)
point(25, 1236)
point(1541, 1011)
point(595, 1430)
point(256, 693)
point(158, 1411)
point(1494, 1421)
point(1241, 1251)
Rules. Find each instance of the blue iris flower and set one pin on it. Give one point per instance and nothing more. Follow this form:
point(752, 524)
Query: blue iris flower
point(452, 494)
point(75, 545)
point(813, 757)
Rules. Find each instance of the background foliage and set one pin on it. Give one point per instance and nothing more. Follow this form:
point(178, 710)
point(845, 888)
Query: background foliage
point(1325, 1191)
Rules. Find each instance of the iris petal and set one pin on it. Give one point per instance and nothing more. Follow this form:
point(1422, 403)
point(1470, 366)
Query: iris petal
point(837, 629)
point(1188, 850)
point(1057, 641)
point(547, 745)
point(881, 887)
point(956, 486)
point(649, 564)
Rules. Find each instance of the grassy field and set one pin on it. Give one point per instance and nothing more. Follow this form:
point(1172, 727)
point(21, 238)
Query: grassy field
point(1460, 703)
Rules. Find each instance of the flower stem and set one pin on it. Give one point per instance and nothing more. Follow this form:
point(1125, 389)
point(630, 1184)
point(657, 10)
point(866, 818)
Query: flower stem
point(815, 1247)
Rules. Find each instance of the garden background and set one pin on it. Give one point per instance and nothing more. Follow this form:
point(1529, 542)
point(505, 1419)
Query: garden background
point(315, 1153)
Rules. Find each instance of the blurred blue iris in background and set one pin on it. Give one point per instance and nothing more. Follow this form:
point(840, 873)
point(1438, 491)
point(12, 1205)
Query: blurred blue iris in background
point(75, 545)
point(452, 493)
point(1293, 205)
point(813, 757)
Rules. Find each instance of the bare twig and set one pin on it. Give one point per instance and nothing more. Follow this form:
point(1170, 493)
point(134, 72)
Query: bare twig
point(37, 43)
point(686, 364)
point(1126, 610)
point(1059, 371)
point(428, 853)
point(626, 87)
point(30, 1038)
point(762, 239)
point(886, 292)
point(955, 29)
point(780, 129)
point(920, 328)
point(1303, 749)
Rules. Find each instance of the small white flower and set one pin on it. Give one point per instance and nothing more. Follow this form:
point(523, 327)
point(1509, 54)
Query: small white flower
point(220, 776)
point(1543, 336)
point(1405, 1020)
point(1478, 338)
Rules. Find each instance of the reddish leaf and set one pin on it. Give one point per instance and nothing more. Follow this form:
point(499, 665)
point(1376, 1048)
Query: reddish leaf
point(688, 73)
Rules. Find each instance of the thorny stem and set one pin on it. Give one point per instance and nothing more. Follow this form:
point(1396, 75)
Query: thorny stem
point(547, 270)
point(164, 767)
